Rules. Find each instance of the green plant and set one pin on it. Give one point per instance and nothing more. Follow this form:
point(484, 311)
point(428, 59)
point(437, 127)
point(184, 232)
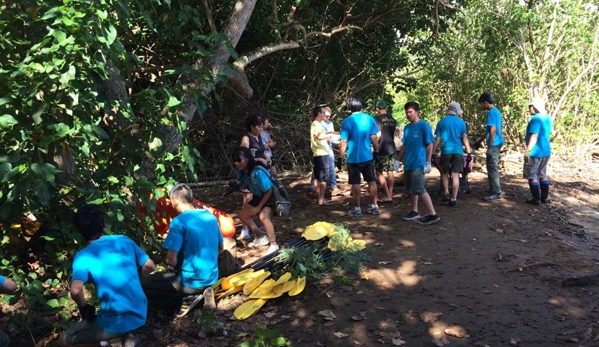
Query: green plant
point(266, 338)
point(207, 320)
point(304, 261)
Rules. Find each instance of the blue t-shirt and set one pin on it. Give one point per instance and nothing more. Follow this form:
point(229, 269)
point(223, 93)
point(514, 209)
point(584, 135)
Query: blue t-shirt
point(451, 129)
point(111, 263)
point(539, 124)
point(357, 129)
point(259, 183)
point(494, 119)
point(415, 139)
point(195, 236)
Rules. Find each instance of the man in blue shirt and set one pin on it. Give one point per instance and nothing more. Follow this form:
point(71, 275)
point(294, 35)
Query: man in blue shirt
point(450, 134)
point(193, 243)
point(111, 263)
point(416, 152)
point(494, 140)
point(358, 134)
point(538, 152)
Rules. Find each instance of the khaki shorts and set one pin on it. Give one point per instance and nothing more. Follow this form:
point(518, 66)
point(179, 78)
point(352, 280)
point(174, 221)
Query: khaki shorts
point(535, 168)
point(415, 182)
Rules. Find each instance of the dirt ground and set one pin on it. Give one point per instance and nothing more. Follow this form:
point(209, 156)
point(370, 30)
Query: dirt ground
point(490, 269)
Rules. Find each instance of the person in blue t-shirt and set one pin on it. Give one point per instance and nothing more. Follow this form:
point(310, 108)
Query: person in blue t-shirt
point(416, 152)
point(538, 152)
point(494, 140)
point(111, 263)
point(192, 245)
point(358, 135)
point(450, 135)
point(255, 184)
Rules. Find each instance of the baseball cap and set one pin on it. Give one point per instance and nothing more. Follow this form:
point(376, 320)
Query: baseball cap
point(538, 104)
point(381, 104)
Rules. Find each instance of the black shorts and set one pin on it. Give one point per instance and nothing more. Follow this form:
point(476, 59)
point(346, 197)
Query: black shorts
point(452, 163)
point(321, 168)
point(365, 168)
point(256, 201)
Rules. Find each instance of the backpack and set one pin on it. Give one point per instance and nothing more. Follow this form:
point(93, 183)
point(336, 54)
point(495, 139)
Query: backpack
point(280, 199)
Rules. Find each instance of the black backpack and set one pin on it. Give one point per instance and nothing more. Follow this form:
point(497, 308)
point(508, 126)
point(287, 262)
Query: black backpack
point(280, 199)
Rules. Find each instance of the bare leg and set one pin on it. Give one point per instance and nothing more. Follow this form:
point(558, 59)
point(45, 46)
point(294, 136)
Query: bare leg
point(245, 215)
point(428, 204)
point(265, 215)
point(355, 190)
point(456, 185)
point(383, 182)
point(320, 190)
point(445, 181)
point(390, 183)
point(372, 190)
point(414, 202)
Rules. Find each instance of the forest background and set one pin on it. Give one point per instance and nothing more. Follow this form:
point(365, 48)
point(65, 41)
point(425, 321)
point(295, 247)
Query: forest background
point(107, 101)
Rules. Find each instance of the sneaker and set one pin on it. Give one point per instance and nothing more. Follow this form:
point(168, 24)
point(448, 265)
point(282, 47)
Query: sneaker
point(545, 201)
point(209, 303)
point(374, 210)
point(533, 201)
point(189, 302)
point(245, 234)
point(493, 197)
point(355, 213)
point(272, 248)
point(429, 219)
point(446, 197)
point(452, 203)
point(412, 215)
point(259, 241)
point(127, 340)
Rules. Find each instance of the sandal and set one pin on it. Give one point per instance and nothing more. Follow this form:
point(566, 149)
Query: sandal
point(326, 203)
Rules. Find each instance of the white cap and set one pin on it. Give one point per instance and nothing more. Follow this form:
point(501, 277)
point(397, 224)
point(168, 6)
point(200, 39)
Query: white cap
point(538, 104)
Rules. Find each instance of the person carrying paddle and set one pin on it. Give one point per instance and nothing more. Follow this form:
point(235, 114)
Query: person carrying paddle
point(111, 263)
point(254, 182)
point(192, 246)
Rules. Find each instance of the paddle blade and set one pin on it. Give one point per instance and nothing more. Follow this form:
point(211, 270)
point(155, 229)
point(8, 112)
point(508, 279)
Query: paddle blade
point(265, 294)
point(248, 308)
point(229, 291)
point(284, 278)
point(299, 286)
point(242, 278)
point(318, 230)
point(284, 287)
point(226, 284)
point(254, 283)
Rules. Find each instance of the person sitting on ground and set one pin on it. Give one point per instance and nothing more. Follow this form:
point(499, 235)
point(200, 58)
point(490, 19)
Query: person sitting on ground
point(111, 263)
point(193, 244)
point(255, 182)
point(450, 134)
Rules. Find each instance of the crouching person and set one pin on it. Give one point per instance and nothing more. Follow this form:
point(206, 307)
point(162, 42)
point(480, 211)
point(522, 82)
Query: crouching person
point(255, 182)
point(111, 263)
point(192, 246)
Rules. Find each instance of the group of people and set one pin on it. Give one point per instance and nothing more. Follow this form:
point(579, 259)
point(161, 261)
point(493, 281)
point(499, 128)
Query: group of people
point(125, 277)
point(371, 152)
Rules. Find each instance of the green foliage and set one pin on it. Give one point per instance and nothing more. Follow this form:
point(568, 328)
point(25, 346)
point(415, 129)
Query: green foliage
point(306, 261)
point(208, 320)
point(348, 254)
point(266, 338)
